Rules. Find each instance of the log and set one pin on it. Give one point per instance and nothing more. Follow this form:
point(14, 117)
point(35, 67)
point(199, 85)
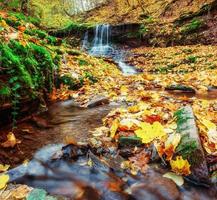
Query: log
point(190, 146)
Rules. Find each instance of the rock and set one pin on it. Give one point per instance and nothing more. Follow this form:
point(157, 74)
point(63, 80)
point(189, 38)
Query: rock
point(190, 146)
point(156, 187)
point(212, 88)
point(180, 88)
point(97, 101)
point(130, 141)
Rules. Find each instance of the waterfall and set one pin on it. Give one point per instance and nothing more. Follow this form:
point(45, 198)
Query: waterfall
point(102, 46)
point(101, 43)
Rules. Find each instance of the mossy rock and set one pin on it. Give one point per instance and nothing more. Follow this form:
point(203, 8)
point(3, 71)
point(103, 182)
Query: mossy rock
point(180, 88)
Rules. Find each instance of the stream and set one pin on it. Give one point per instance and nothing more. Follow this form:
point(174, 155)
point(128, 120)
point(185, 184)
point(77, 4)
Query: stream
point(80, 172)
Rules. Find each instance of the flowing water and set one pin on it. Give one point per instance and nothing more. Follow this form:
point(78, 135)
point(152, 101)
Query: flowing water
point(101, 45)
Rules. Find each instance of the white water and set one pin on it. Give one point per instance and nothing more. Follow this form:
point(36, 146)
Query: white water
point(101, 46)
point(126, 69)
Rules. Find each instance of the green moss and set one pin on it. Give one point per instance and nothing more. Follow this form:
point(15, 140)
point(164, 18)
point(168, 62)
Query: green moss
point(30, 70)
point(186, 147)
point(16, 19)
point(74, 52)
point(82, 62)
point(90, 76)
point(73, 27)
point(5, 91)
point(13, 4)
point(41, 34)
point(51, 40)
point(12, 22)
point(192, 59)
point(192, 27)
point(73, 84)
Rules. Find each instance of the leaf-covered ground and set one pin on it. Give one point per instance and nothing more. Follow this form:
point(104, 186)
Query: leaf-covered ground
point(171, 78)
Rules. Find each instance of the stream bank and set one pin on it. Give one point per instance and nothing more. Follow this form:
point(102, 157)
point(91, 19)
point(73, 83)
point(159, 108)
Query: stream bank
point(62, 120)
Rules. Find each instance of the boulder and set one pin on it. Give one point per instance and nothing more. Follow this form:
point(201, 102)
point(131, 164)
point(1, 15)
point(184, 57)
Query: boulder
point(97, 101)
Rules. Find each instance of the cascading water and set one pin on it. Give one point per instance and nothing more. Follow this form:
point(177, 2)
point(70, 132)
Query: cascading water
point(102, 46)
point(101, 43)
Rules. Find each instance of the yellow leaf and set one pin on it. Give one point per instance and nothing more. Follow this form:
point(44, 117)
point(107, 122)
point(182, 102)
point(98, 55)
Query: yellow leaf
point(124, 90)
point(180, 166)
point(3, 181)
point(3, 23)
point(114, 128)
point(142, 105)
point(134, 109)
point(150, 132)
point(4, 168)
point(11, 141)
point(208, 124)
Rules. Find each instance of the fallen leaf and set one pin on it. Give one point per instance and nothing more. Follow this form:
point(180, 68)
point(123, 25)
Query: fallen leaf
point(16, 192)
point(4, 168)
point(124, 90)
point(180, 166)
point(208, 124)
point(175, 178)
point(152, 118)
point(171, 144)
point(11, 141)
point(3, 181)
point(114, 128)
point(134, 109)
point(21, 28)
point(150, 132)
point(128, 124)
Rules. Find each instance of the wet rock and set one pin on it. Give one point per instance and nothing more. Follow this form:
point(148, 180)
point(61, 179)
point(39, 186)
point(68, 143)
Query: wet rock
point(130, 141)
point(180, 88)
point(40, 122)
point(156, 187)
point(74, 151)
point(212, 89)
point(97, 101)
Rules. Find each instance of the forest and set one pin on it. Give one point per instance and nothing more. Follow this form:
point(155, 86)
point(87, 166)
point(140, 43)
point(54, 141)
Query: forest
point(108, 100)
